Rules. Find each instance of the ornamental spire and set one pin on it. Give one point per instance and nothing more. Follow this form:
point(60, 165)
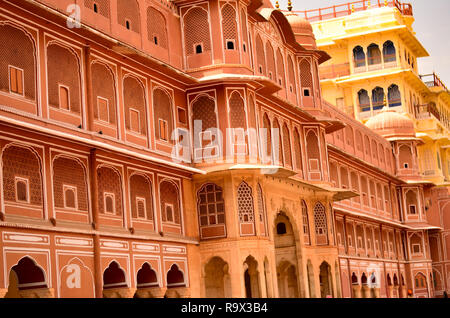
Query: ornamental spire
point(277, 5)
point(289, 5)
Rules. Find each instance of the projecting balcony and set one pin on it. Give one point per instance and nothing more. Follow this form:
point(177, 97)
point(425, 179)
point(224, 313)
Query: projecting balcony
point(334, 71)
point(430, 111)
point(350, 7)
point(432, 80)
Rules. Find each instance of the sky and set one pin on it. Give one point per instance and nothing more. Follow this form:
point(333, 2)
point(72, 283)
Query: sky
point(432, 27)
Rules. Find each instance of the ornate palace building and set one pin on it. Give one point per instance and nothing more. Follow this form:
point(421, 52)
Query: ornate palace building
point(190, 148)
point(374, 53)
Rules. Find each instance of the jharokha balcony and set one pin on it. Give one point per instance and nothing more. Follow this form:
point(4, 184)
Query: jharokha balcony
point(341, 10)
point(334, 71)
point(430, 111)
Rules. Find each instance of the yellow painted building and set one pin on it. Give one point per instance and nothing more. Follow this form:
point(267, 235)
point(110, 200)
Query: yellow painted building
point(374, 52)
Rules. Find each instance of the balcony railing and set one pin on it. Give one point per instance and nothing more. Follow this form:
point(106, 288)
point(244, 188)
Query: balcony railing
point(432, 80)
point(426, 111)
point(334, 71)
point(347, 9)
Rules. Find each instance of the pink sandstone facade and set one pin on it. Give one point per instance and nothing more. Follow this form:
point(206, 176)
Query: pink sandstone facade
point(92, 203)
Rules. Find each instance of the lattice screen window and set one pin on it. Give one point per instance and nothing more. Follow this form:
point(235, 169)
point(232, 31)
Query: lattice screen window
point(305, 220)
point(211, 205)
point(134, 99)
point(196, 30)
point(69, 174)
point(306, 79)
point(245, 203)
point(287, 145)
point(98, 6)
point(109, 191)
point(320, 219)
point(260, 56)
point(63, 72)
point(141, 195)
point(270, 61)
point(103, 90)
point(203, 109)
point(24, 164)
point(237, 111)
point(170, 202)
point(163, 114)
point(156, 28)
point(18, 52)
point(229, 27)
point(128, 15)
point(261, 205)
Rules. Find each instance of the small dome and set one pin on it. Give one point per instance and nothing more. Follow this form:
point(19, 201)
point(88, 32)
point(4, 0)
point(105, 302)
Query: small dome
point(302, 30)
point(389, 123)
point(299, 25)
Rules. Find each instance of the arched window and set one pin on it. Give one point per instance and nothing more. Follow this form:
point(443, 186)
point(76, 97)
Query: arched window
point(29, 274)
point(280, 69)
point(109, 191)
point(260, 56)
point(306, 78)
point(312, 146)
point(244, 29)
point(134, 100)
point(162, 114)
point(64, 90)
point(405, 157)
point(349, 138)
point(305, 220)
point(373, 54)
point(170, 202)
point(146, 277)
point(22, 179)
point(17, 71)
point(359, 57)
point(359, 141)
point(175, 277)
point(229, 27)
point(271, 73)
point(267, 126)
point(320, 222)
point(196, 31)
point(344, 178)
point(104, 93)
point(114, 276)
point(334, 177)
point(141, 197)
point(245, 209)
point(420, 281)
point(156, 28)
point(377, 98)
point(203, 111)
point(291, 73)
point(128, 15)
point(394, 96)
point(281, 228)
point(237, 111)
point(262, 212)
point(389, 52)
point(69, 184)
point(211, 210)
point(364, 191)
point(287, 145)
point(297, 151)
point(411, 202)
point(364, 100)
point(278, 145)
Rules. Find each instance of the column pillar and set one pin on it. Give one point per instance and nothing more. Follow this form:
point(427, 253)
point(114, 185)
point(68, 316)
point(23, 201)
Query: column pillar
point(356, 288)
